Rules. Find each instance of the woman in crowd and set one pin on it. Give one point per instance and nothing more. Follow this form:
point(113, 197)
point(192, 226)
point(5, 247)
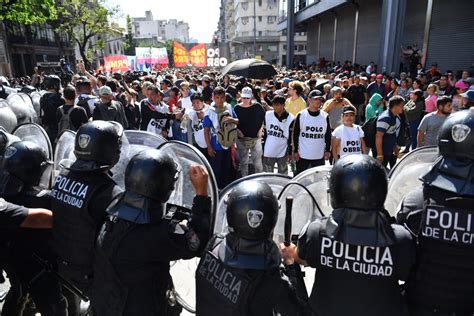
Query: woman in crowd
point(413, 110)
point(348, 138)
point(430, 101)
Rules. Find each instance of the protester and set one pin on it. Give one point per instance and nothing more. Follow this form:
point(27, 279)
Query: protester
point(431, 122)
point(357, 95)
point(333, 107)
point(196, 117)
point(376, 87)
point(430, 101)
point(375, 106)
point(295, 103)
point(70, 116)
point(413, 110)
point(108, 109)
point(277, 137)
point(388, 125)
point(348, 138)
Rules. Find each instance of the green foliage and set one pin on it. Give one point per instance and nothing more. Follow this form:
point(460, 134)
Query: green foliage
point(27, 11)
point(129, 44)
point(84, 19)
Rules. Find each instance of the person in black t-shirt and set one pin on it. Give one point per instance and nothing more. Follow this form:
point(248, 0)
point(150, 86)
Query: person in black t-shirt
point(251, 117)
point(357, 94)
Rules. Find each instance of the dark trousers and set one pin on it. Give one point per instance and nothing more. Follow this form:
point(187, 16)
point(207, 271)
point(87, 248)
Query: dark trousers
point(222, 166)
point(303, 164)
point(413, 127)
point(389, 160)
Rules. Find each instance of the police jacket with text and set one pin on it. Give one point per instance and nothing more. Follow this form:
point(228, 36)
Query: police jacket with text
point(79, 202)
point(135, 247)
point(359, 256)
point(443, 278)
point(229, 282)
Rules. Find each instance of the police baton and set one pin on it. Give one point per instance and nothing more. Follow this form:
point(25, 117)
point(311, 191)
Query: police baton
point(48, 268)
point(287, 232)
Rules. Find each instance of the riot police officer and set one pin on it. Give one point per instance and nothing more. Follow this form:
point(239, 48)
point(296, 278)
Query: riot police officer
point(141, 236)
point(240, 273)
point(80, 196)
point(22, 169)
point(49, 103)
point(359, 253)
point(441, 215)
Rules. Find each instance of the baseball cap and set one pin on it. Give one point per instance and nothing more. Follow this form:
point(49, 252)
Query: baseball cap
point(315, 94)
point(286, 80)
point(246, 93)
point(461, 85)
point(206, 78)
point(105, 90)
point(348, 109)
point(469, 94)
point(379, 76)
point(166, 81)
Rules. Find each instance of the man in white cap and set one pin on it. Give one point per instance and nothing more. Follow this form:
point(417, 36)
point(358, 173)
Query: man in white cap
point(251, 116)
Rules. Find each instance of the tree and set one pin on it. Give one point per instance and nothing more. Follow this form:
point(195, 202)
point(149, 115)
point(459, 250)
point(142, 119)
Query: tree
point(84, 19)
point(129, 40)
point(27, 11)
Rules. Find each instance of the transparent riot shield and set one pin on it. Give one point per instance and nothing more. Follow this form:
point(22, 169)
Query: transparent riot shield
point(35, 100)
point(7, 118)
point(183, 271)
point(404, 176)
point(133, 142)
point(21, 105)
point(276, 181)
point(64, 151)
point(34, 133)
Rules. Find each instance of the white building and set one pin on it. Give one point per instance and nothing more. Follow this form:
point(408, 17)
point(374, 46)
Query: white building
point(299, 48)
point(146, 28)
point(250, 28)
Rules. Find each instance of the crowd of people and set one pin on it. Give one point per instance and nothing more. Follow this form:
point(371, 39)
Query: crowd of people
point(300, 118)
point(114, 245)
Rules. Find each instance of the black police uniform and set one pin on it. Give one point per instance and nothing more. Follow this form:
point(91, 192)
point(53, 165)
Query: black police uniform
point(140, 238)
point(23, 168)
point(359, 253)
point(233, 283)
point(441, 215)
point(241, 273)
point(80, 196)
point(49, 103)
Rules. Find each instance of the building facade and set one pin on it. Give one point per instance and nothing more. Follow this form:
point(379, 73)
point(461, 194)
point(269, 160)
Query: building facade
point(27, 46)
point(249, 27)
point(374, 30)
point(154, 31)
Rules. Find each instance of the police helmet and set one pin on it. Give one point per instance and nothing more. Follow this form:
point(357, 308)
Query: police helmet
point(252, 210)
point(5, 140)
point(23, 164)
point(27, 89)
point(358, 182)
point(152, 174)
point(456, 136)
point(52, 82)
point(99, 141)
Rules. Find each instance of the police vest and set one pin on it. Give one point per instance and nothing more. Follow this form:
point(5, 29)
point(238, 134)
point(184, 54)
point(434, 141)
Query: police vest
point(74, 230)
point(444, 276)
point(311, 139)
point(226, 290)
point(354, 278)
point(276, 143)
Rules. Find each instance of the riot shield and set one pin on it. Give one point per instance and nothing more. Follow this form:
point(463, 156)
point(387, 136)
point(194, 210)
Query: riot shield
point(64, 151)
point(7, 118)
point(276, 181)
point(183, 271)
point(35, 99)
point(21, 105)
point(132, 143)
point(404, 176)
point(34, 133)
point(310, 195)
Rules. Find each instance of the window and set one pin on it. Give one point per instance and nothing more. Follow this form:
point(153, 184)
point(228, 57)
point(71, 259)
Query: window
point(259, 18)
point(272, 48)
point(296, 48)
point(245, 6)
point(259, 3)
point(245, 20)
point(271, 19)
point(284, 47)
point(260, 48)
point(260, 33)
point(300, 48)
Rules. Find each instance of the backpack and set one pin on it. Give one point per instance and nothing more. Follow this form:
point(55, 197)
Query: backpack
point(65, 122)
point(227, 132)
point(83, 102)
point(370, 129)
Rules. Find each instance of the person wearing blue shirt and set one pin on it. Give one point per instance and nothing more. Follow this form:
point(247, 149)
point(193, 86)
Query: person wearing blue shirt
point(388, 126)
point(219, 153)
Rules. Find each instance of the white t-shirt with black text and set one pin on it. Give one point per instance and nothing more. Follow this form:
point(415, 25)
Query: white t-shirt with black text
point(350, 139)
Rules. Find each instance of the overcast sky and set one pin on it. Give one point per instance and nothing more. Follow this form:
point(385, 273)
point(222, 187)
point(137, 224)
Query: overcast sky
point(202, 15)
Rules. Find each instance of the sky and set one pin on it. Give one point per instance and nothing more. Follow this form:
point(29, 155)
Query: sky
point(201, 15)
